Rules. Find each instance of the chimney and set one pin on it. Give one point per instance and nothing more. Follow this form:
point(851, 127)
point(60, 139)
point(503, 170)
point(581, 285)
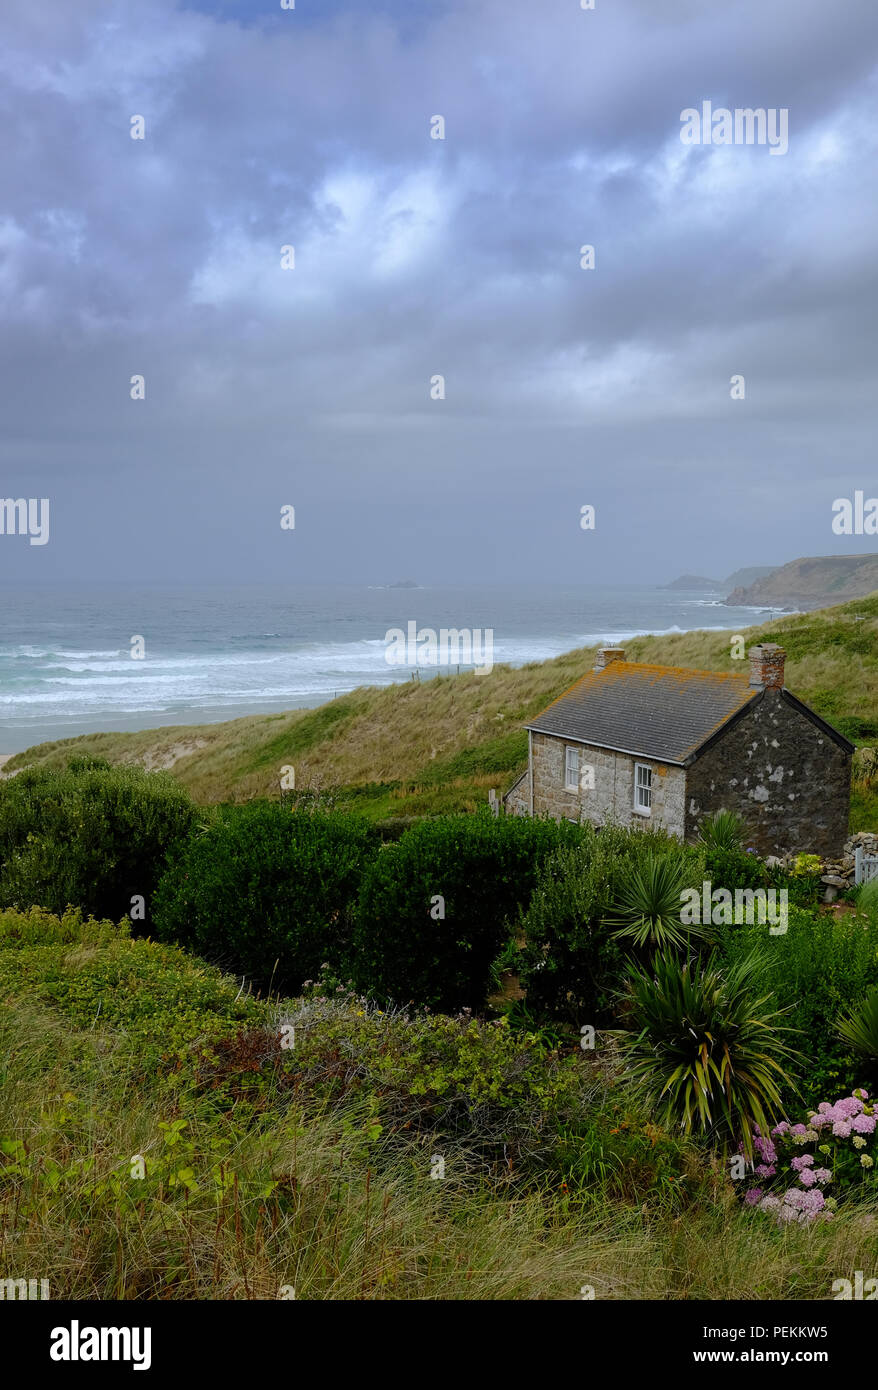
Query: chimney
point(766, 665)
point(605, 656)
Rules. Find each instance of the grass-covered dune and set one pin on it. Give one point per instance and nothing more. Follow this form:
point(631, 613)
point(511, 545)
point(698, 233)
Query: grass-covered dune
point(439, 745)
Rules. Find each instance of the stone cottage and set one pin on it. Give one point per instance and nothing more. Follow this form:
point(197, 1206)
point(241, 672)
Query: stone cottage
point(665, 746)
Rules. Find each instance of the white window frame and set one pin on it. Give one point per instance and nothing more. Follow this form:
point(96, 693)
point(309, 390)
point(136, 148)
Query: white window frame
point(643, 807)
point(568, 785)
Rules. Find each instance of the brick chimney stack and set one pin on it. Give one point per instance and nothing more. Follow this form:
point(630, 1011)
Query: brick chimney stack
point(766, 665)
point(605, 656)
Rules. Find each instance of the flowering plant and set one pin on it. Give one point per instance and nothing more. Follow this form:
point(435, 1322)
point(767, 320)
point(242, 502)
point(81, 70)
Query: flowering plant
point(806, 1159)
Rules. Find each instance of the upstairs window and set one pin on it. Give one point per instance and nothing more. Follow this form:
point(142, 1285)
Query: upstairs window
point(571, 770)
point(643, 788)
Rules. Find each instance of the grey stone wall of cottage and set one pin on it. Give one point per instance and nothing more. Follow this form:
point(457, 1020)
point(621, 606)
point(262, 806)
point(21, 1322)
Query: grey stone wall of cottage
point(787, 779)
point(613, 794)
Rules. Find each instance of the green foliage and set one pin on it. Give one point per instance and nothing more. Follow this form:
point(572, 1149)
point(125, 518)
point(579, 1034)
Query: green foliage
point(520, 1107)
point(724, 830)
point(160, 999)
point(860, 1029)
point(266, 890)
point(570, 962)
point(804, 865)
point(646, 907)
point(733, 868)
point(91, 835)
point(819, 968)
point(483, 870)
point(705, 1046)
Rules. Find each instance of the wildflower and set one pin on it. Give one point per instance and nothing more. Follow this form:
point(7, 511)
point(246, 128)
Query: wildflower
point(858, 1141)
point(752, 1197)
point(865, 1160)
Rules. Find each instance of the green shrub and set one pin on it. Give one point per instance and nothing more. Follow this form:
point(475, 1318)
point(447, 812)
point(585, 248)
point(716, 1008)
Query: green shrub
point(706, 1047)
point(266, 890)
point(570, 961)
point(436, 907)
point(821, 967)
point(91, 836)
point(734, 868)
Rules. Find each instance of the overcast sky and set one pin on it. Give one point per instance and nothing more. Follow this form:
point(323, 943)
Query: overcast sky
point(416, 257)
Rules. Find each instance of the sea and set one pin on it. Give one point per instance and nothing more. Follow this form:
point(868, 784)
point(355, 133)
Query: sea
point(69, 660)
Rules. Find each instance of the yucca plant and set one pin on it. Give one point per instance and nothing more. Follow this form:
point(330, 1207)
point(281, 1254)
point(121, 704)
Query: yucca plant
point(704, 1049)
point(723, 830)
point(646, 909)
point(860, 1028)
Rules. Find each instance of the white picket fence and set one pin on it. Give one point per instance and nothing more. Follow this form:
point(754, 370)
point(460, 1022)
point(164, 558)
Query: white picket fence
point(865, 866)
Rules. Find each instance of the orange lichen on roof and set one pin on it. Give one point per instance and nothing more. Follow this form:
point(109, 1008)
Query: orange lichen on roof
point(622, 667)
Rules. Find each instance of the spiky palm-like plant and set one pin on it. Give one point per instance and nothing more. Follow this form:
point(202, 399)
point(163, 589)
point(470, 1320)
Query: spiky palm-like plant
point(724, 830)
point(860, 1028)
point(705, 1049)
point(646, 909)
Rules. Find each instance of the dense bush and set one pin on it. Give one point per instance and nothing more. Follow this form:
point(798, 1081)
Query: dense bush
point(266, 890)
point(571, 960)
point(733, 868)
point(436, 907)
point(92, 836)
point(821, 967)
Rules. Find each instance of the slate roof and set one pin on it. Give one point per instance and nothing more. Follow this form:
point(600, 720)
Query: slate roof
point(662, 712)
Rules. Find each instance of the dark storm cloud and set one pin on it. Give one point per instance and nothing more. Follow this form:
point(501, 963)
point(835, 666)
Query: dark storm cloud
point(416, 257)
